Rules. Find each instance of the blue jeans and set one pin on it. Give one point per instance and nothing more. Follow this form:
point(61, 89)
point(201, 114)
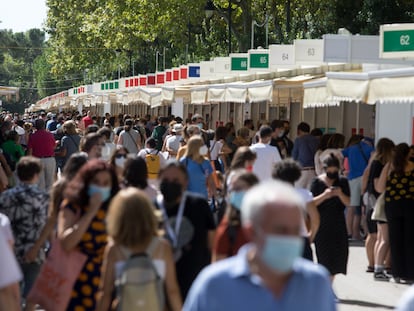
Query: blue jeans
point(30, 272)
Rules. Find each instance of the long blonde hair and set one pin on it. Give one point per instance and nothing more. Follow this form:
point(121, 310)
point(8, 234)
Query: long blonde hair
point(193, 148)
point(131, 221)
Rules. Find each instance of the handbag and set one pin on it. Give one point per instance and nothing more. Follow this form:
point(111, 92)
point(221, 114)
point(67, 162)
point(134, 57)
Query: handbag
point(53, 286)
point(379, 209)
point(369, 200)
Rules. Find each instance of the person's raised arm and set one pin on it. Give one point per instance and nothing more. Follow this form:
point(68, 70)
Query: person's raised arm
point(71, 229)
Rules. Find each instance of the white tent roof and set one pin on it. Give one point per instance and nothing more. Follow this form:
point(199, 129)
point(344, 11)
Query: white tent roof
point(380, 86)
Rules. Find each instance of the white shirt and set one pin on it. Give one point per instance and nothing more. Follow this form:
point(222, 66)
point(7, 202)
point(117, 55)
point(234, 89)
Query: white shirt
point(266, 158)
point(9, 269)
point(215, 149)
point(107, 150)
point(173, 142)
point(6, 228)
point(307, 197)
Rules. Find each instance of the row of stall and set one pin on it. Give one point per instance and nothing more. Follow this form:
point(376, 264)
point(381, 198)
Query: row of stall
point(336, 98)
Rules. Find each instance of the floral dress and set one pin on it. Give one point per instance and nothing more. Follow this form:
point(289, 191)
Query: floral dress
point(92, 244)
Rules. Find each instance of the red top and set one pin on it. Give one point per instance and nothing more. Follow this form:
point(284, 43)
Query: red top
point(42, 143)
point(222, 239)
point(87, 121)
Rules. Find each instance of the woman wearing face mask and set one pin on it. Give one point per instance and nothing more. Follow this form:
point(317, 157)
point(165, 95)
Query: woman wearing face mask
point(198, 167)
point(132, 227)
point(187, 222)
point(188, 132)
point(118, 159)
point(399, 194)
point(243, 158)
point(331, 196)
point(230, 236)
point(81, 225)
point(219, 149)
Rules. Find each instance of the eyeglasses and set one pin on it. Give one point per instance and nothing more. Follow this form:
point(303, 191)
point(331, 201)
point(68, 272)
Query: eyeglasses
point(120, 155)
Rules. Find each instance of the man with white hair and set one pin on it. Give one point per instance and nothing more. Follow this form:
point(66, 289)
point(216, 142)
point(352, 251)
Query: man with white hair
point(268, 273)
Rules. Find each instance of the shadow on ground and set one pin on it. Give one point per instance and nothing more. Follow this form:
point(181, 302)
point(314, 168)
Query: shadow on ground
point(364, 304)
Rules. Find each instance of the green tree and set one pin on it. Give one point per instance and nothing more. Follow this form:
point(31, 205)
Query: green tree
point(101, 36)
point(377, 12)
point(18, 53)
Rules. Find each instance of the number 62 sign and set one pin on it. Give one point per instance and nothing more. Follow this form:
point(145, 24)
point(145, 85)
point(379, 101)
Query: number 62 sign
point(397, 41)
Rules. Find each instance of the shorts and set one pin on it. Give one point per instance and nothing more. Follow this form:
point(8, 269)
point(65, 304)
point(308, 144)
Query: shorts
point(355, 187)
point(371, 224)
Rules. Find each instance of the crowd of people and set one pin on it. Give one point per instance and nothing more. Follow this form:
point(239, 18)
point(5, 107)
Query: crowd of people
point(223, 215)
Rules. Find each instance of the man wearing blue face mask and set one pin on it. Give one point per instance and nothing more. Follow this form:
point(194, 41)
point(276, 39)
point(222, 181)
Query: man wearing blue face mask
point(268, 273)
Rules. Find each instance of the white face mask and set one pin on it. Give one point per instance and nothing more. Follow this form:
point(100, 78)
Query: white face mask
point(203, 150)
point(120, 162)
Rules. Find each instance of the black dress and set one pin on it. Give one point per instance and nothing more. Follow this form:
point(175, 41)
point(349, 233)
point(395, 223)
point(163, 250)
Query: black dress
point(331, 240)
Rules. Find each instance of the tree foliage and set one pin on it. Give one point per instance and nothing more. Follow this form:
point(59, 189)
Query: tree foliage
point(91, 40)
point(17, 54)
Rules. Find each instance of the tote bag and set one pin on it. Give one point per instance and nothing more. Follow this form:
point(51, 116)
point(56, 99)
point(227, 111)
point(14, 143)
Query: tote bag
point(379, 209)
point(53, 286)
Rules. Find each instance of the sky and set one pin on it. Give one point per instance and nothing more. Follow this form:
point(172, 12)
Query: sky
point(22, 15)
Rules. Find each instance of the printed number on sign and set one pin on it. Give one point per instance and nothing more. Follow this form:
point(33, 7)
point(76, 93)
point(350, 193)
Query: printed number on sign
point(311, 52)
point(405, 40)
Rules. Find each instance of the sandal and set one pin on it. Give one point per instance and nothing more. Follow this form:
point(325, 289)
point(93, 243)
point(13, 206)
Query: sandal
point(370, 269)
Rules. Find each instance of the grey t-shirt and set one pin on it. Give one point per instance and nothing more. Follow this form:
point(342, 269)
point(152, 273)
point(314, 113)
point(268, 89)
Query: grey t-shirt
point(71, 144)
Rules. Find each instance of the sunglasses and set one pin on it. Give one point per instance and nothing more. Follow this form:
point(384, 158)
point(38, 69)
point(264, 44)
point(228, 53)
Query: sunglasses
point(120, 155)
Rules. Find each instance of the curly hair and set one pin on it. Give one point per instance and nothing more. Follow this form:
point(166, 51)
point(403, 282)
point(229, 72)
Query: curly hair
point(287, 170)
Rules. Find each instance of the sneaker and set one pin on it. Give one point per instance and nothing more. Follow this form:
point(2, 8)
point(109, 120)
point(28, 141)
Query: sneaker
point(395, 280)
point(409, 281)
point(381, 276)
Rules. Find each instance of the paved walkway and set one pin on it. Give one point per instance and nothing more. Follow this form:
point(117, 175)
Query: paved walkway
point(358, 290)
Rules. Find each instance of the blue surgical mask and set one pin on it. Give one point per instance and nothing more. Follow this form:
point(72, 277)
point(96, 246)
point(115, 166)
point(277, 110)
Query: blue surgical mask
point(104, 191)
point(200, 126)
point(236, 198)
point(280, 252)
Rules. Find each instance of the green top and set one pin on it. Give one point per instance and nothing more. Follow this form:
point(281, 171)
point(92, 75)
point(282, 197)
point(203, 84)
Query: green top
point(14, 150)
